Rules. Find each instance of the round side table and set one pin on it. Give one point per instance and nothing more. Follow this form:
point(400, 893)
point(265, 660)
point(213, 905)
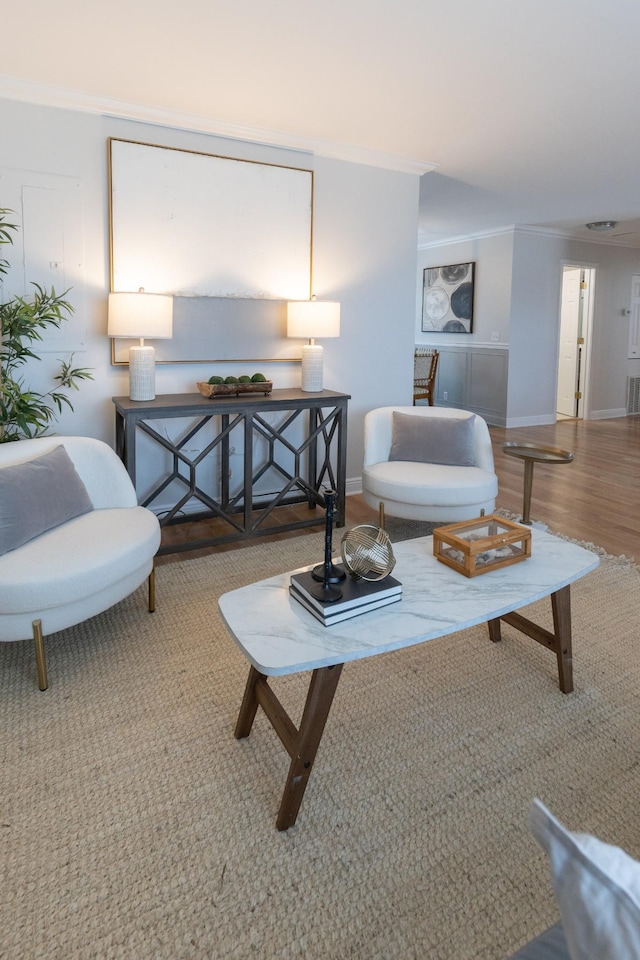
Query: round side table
point(532, 453)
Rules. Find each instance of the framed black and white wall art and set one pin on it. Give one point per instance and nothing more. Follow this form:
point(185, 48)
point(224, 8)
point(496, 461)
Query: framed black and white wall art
point(447, 298)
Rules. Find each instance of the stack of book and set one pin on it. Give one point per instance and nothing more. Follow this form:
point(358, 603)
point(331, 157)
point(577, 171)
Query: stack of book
point(358, 596)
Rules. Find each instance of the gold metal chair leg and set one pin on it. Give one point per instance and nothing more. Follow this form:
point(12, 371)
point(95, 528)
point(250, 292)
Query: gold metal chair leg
point(38, 639)
point(152, 590)
point(381, 521)
point(43, 680)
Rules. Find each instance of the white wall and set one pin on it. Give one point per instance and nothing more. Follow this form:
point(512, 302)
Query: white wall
point(533, 342)
point(518, 287)
point(533, 335)
point(365, 230)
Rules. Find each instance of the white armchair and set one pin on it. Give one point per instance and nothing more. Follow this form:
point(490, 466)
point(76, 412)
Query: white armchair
point(81, 566)
point(440, 469)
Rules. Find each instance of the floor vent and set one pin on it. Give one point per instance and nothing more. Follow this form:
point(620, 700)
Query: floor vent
point(633, 394)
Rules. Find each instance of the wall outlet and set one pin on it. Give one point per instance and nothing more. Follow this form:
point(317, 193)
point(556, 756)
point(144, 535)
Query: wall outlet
point(495, 336)
point(445, 395)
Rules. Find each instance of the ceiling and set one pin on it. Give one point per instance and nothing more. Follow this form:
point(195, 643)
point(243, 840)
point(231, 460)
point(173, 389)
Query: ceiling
point(525, 109)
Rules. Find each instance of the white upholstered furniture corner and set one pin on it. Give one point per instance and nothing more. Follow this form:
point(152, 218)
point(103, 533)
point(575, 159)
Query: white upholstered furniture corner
point(426, 491)
point(84, 566)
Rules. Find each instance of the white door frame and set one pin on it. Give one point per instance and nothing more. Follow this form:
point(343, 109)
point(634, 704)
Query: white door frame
point(584, 408)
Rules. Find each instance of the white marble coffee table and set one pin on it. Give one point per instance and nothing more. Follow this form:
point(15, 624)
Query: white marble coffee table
point(278, 636)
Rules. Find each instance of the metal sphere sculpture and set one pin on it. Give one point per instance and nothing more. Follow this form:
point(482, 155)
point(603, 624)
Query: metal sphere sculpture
point(367, 552)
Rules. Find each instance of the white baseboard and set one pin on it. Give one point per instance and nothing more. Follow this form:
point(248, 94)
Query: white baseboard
point(191, 506)
point(607, 414)
point(353, 485)
point(530, 421)
point(551, 418)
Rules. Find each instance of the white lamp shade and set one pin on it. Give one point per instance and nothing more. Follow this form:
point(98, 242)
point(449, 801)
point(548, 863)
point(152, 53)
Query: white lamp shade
point(310, 319)
point(140, 315)
point(313, 318)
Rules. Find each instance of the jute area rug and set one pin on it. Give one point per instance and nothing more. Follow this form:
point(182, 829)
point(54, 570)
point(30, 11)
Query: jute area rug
point(133, 825)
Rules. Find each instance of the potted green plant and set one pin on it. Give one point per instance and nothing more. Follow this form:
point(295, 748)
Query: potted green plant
point(24, 412)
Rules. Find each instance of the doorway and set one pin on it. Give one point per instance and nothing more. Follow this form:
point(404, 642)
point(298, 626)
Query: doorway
point(576, 315)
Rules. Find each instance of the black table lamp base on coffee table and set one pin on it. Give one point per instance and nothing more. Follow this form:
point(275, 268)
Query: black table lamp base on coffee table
point(534, 453)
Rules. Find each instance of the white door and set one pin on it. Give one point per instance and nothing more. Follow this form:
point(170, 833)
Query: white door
point(634, 320)
point(569, 355)
point(574, 353)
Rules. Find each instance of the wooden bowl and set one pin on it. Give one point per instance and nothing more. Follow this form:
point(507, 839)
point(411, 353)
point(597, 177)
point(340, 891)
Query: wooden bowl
point(212, 390)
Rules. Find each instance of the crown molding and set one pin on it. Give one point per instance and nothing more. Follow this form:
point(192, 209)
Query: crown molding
point(532, 230)
point(26, 91)
point(449, 241)
point(601, 239)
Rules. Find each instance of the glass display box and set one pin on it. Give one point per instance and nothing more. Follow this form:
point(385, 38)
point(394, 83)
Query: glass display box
point(477, 546)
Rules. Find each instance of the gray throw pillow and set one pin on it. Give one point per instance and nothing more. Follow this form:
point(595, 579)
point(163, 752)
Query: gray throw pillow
point(447, 440)
point(38, 495)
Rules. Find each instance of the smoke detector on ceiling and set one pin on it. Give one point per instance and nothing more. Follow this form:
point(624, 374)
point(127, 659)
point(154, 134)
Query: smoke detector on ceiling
point(602, 225)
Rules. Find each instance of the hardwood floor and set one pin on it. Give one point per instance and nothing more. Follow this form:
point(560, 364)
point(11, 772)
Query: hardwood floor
point(595, 498)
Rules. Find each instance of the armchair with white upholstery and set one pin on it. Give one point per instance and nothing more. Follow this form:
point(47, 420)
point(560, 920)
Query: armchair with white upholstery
point(73, 540)
point(438, 467)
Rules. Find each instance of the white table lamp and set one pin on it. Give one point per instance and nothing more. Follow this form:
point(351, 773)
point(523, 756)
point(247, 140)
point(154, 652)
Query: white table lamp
point(310, 319)
point(141, 315)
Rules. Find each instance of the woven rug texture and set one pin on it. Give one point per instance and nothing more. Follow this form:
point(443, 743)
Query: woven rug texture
point(133, 825)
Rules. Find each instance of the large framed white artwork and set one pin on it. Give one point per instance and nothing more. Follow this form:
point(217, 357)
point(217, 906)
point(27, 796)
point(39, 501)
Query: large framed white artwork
point(197, 225)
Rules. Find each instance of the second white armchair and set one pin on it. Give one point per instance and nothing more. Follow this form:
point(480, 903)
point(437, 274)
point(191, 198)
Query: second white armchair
point(428, 463)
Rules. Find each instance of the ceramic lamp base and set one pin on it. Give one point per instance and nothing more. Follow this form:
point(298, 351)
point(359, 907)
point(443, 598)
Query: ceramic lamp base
point(142, 373)
point(312, 368)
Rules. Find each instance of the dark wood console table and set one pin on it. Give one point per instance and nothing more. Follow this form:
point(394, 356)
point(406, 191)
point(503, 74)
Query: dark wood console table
point(301, 438)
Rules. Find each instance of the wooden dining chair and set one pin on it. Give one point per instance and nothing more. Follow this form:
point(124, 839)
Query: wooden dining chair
point(425, 366)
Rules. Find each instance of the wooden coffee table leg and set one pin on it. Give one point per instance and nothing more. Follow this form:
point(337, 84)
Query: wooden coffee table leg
point(559, 641)
point(561, 607)
point(322, 688)
point(249, 706)
point(301, 743)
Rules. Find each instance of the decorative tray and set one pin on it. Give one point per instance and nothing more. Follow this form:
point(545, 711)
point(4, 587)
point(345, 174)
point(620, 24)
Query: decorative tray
point(476, 546)
point(212, 390)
